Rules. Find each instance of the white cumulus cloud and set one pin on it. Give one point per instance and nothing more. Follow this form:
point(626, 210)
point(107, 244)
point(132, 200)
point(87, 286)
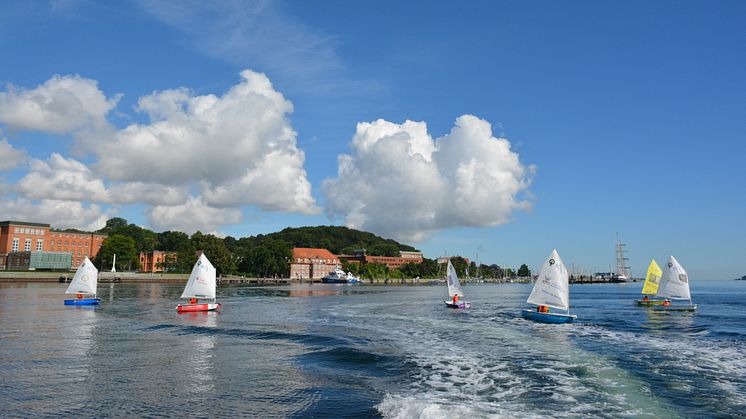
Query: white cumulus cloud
point(149, 193)
point(60, 178)
point(194, 215)
point(235, 149)
point(63, 104)
point(239, 146)
point(400, 183)
point(11, 157)
point(58, 213)
point(63, 178)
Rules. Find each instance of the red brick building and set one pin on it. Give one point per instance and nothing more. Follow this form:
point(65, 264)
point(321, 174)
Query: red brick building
point(22, 236)
point(79, 244)
point(312, 264)
point(155, 261)
point(392, 262)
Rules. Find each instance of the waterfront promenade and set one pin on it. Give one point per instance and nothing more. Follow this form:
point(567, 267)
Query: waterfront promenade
point(166, 278)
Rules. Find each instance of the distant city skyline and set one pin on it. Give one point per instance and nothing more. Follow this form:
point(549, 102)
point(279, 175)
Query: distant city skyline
point(504, 129)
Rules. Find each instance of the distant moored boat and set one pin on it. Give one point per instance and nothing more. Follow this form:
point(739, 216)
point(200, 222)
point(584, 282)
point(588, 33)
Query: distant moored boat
point(340, 277)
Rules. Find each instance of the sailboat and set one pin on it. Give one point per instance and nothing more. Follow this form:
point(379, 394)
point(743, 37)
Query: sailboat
point(84, 284)
point(652, 279)
point(202, 284)
point(622, 270)
point(551, 289)
point(454, 289)
point(675, 286)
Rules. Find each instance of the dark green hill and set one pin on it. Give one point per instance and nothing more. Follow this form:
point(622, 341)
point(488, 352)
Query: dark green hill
point(338, 240)
point(261, 255)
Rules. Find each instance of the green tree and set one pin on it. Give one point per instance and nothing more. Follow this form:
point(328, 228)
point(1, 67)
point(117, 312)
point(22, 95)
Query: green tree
point(216, 252)
point(172, 241)
point(326, 243)
point(523, 271)
point(232, 244)
point(459, 264)
point(411, 270)
point(384, 249)
point(169, 263)
point(429, 268)
point(112, 224)
point(374, 270)
point(128, 258)
point(185, 259)
point(473, 268)
point(176, 241)
point(145, 240)
point(269, 260)
point(351, 267)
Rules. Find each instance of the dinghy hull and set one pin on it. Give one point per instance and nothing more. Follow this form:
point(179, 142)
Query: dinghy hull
point(460, 304)
point(554, 318)
point(82, 302)
point(692, 307)
point(649, 303)
point(190, 308)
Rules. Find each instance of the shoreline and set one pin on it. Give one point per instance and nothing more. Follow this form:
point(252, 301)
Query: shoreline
point(166, 278)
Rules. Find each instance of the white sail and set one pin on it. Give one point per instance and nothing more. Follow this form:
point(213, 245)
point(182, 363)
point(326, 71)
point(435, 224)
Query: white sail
point(202, 282)
point(454, 287)
point(675, 283)
point(85, 279)
point(552, 286)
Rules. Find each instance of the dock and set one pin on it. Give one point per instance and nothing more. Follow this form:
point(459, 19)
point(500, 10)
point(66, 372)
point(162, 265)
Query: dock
point(169, 278)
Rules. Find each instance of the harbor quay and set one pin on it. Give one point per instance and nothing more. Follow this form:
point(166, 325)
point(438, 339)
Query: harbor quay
point(156, 277)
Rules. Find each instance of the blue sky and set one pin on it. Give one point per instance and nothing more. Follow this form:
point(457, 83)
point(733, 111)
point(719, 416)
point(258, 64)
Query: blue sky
point(535, 125)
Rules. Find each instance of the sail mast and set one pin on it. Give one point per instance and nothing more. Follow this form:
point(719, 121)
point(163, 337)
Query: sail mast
point(621, 260)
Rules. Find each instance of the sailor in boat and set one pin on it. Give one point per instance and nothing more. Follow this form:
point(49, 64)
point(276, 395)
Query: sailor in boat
point(192, 301)
point(542, 309)
point(645, 298)
point(667, 303)
point(455, 299)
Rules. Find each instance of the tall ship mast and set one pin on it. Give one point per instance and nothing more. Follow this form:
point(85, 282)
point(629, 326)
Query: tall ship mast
point(622, 270)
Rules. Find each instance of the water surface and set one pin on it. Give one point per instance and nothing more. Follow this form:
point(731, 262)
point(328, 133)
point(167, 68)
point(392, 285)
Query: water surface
point(368, 351)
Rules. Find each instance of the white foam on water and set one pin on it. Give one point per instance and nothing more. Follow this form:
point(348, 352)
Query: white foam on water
point(397, 407)
point(721, 363)
point(526, 376)
point(499, 366)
